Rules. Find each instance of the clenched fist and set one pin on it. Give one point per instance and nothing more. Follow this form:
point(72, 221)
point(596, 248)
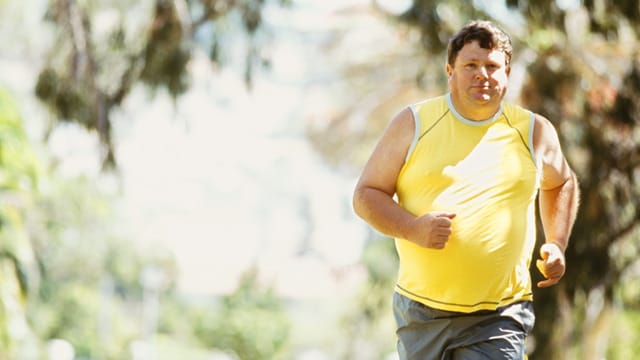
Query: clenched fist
point(432, 230)
point(551, 265)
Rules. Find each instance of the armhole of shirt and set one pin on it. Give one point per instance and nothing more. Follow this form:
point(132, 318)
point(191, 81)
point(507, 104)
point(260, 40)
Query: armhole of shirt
point(536, 162)
point(532, 123)
point(416, 133)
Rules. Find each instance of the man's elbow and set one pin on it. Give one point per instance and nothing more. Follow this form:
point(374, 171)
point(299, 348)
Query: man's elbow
point(358, 200)
point(569, 182)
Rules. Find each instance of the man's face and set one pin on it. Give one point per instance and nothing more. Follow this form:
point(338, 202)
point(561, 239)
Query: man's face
point(479, 76)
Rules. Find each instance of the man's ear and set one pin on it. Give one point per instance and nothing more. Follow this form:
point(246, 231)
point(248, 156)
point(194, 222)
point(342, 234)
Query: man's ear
point(449, 69)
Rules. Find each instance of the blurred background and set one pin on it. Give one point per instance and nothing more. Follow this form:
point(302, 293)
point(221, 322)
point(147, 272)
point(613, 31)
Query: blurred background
point(176, 175)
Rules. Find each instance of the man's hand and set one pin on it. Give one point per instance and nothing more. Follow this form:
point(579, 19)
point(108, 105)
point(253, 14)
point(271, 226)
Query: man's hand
point(552, 265)
point(432, 230)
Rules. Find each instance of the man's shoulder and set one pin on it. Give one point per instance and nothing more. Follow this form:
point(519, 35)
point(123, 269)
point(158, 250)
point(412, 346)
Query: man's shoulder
point(430, 104)
point(430, 100)
point(510, 105)
point(513, 110)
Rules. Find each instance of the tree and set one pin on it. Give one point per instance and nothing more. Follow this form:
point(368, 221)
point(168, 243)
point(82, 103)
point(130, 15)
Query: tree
point(19, 176)
point(91, 70)
point(89, 275)
point(250, 322)
point(596, 114)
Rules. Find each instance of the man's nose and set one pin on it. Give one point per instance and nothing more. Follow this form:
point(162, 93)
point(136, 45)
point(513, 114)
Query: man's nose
point(482, 72)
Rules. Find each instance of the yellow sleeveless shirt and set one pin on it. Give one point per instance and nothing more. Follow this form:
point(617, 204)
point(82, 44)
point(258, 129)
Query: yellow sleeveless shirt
point(486, 173)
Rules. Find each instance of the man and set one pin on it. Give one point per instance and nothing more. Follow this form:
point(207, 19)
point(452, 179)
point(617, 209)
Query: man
point(454, 180)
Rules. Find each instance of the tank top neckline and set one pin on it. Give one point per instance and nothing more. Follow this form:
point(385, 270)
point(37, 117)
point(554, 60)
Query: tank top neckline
point(466, 121)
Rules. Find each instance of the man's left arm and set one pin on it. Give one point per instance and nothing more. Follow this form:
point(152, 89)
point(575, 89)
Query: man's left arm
point(559, 201)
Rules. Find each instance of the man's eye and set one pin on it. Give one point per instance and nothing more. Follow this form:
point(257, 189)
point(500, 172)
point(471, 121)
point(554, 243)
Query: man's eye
point(470, 66)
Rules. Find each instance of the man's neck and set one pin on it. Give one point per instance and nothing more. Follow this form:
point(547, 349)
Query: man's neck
point(477, 111)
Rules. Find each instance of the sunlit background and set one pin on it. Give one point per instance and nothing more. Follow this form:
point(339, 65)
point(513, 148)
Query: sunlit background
point(222, 227)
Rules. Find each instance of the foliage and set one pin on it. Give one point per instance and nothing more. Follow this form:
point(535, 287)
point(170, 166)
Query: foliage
point(82, 297)
point(250, 322)
point(93, 67)
point(598, 126)
point(367, 321)
point(625, 336)
point(19, 175)
point(90, 290)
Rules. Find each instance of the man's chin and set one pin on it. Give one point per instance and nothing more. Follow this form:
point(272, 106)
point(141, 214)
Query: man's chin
point(482, 99)
point(486, 98)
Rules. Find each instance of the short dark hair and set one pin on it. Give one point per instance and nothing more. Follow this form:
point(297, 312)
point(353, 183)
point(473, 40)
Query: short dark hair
point(488, 35)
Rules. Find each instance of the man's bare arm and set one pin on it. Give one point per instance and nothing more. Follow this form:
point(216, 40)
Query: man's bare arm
point(373, 198)
point(559, 202)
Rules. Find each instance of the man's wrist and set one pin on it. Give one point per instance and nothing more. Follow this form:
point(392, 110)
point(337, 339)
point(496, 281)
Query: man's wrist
point(559, 245)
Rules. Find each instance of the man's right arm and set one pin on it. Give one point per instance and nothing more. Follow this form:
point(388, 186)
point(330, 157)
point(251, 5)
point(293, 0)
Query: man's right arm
point(373, 196)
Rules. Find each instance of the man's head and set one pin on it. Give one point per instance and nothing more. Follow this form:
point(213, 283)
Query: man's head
point(488, 36)
point(478, 69)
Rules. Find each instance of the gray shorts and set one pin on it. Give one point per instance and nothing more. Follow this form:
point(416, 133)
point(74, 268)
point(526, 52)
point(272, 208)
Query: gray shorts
point(425, 333)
